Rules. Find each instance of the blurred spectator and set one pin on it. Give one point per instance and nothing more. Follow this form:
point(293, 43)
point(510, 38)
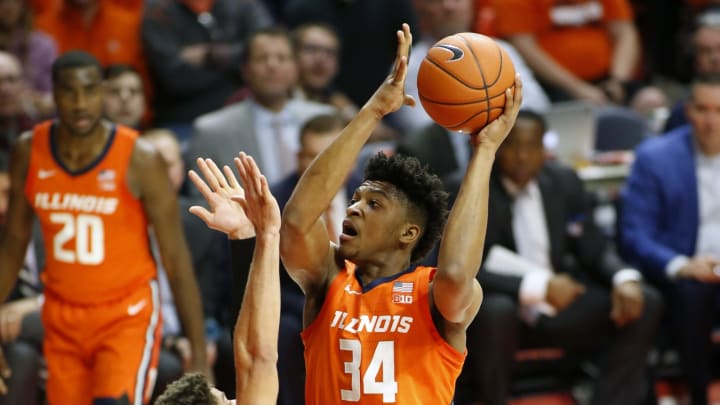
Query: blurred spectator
point(317, 47)
point(366, 29)
point(20, 326)
point(133, 6)
point(176, 350)
point(706, 58)
point(585, 50)
point(100, 27)
point(440, 18)
point(194, 51)
point(14, 117)
point(124, 101)
point(670, 227)
point(551, 279)
point(265, 125)
point(34, 49)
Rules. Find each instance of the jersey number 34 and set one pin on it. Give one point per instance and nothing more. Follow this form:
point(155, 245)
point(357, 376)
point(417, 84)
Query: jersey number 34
point(384, 356)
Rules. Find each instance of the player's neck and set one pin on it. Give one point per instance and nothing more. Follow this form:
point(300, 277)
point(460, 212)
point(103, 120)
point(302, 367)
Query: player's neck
point(78, 151)
point(382, 267)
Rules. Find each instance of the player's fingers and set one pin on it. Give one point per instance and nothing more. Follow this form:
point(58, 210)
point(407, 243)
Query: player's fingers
point(518, 96)
point(257, 176)
point(217, 173)
point(208, 174)
point(230, 176)
point(401, 71)
point(252, 174)
point(200, 185)
point(3, 388)
point(242, 171)
point(410, 100)
point(202, 213)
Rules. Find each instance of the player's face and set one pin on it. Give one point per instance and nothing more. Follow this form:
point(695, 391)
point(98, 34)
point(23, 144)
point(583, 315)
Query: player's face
point(124, 99)
point(270, 70)
point(703, 111)
point(373, 221)
point(521, 156)
point(220, 397)
point(79, 99)
point(317, 58)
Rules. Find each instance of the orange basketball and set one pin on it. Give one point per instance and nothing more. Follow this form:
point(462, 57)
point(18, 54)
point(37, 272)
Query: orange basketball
point(462, 81)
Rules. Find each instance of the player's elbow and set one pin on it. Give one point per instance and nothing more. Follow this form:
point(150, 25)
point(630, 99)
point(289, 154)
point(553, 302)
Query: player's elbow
point(454, 296)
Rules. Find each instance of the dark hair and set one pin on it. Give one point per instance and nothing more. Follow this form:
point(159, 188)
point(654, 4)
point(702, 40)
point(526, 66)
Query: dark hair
point(533, 116)
point(118, 69)
point(273, 31)
point(73, 60)
point(321, 124)
point(190, 389)
point(300, 30)
point(424, 192)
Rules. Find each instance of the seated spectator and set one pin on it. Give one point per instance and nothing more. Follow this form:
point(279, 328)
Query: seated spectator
point(20, 327)
point(317, 48)
point(194, 51)
point(35, 51)
point(670, 227)
point(14, 115)
point(706, 59)
point(584, 50)
point(124, 101)
point(176, 351)
point(100, 27)
point(265, 125)
point(551, 279)
point(440, 19)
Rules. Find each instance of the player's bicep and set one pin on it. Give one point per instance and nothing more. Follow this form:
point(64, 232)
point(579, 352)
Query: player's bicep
point(307, 256)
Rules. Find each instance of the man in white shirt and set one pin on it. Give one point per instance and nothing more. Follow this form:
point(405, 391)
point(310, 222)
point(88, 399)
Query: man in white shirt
point(670, 227)
point(551, 280)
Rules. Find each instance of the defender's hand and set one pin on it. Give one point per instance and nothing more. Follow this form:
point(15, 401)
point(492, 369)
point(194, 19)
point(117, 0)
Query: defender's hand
point(260, 206)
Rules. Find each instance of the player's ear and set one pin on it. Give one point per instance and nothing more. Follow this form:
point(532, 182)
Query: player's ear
point(410, 233)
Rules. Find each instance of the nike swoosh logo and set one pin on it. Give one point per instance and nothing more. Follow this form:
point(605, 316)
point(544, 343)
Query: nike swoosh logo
point(44, 174)
point(135, 309)
point(456, 52)
point(349, 291)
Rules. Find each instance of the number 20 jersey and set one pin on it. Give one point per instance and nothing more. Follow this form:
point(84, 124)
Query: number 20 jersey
point(379, 345)
point(94, 229)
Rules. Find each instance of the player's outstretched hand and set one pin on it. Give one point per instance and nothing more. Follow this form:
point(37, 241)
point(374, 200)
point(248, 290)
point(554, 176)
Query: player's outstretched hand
point(225, 215)
point(390, 96)
point(259, 204)
point(493, 135)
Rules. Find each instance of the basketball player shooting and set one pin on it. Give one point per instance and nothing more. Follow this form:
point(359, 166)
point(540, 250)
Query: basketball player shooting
point(379, 329)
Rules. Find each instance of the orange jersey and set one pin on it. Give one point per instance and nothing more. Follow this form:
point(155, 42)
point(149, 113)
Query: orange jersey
point(379, 345)
point(94, 229)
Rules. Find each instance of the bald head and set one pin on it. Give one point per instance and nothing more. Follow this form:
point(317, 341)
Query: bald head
point(10, 84)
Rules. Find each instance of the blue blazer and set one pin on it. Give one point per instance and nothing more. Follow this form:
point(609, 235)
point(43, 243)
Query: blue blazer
point(660, 211)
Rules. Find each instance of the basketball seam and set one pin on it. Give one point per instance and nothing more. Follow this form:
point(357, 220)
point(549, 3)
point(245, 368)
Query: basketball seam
point(463, 103)
point(455, 126)
point(459, 79)
point(482, 74)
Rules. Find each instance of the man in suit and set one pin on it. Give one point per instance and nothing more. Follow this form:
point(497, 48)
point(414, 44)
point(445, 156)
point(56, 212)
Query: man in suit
point(264, 125)
point(550, 279)
point(670, 226)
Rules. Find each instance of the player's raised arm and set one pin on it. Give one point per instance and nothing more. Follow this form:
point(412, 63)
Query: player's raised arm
point(241, 214)
point(456, 292)
point(305, 246)
point(15, 234)
point(148, 177)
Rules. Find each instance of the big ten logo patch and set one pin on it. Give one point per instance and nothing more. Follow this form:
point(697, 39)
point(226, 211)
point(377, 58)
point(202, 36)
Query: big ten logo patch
point(402, 299)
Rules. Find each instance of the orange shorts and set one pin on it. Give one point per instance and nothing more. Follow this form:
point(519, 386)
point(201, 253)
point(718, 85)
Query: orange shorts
point(104, 351)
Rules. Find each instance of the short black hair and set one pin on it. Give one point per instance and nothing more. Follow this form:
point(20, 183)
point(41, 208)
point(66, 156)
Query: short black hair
point(190, 389)
point(118, 69)
point(73, 60)
point(272, 31)
point(424, 192)
point(533, 116)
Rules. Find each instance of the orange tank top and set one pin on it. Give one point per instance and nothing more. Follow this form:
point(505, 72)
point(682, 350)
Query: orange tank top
point(378, 344)
point(95, 231)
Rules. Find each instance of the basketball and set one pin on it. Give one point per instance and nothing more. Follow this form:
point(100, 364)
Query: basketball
point(462, 81)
